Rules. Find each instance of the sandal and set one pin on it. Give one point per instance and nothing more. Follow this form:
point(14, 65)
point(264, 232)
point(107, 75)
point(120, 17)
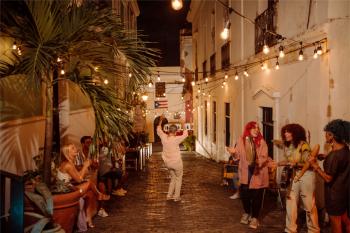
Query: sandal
point(90, 225)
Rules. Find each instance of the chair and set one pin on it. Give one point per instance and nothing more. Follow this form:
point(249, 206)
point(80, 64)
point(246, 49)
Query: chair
point(273, 186)
point(131, 159)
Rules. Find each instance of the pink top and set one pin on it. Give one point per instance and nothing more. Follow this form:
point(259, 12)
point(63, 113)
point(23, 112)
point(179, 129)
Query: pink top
point(171, 150)
point(260, 178)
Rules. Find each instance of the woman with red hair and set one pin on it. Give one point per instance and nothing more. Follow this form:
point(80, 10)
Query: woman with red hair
point(251, 150)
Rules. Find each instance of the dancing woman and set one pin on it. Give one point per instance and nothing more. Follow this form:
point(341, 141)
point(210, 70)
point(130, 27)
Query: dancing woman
point(296, 152)
point(251, 150)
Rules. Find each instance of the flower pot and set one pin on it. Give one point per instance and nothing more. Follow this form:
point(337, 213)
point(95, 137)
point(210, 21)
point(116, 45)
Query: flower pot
point(66, 207)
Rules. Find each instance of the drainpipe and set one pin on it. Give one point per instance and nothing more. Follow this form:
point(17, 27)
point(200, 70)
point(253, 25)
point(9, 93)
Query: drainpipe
point(242, 57)
point(276, 97)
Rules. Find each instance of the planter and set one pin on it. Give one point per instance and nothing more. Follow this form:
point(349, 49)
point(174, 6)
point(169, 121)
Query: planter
point(66, 207)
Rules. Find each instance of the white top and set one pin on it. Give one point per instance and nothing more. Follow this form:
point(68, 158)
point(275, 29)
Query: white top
point(65, 177)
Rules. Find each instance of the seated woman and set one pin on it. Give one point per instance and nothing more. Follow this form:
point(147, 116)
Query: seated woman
point(109, 171)
point(67, 172)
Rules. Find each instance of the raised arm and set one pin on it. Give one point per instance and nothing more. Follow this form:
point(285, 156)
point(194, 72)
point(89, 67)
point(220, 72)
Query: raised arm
point(159, 127)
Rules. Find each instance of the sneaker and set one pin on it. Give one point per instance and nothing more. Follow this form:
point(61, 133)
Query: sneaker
point(168, 198)
point(254, 223)
point(245, 218)
point(177, 199)
point(124, 191)
point(102, 213)
point(118, 193)
point(235, 196)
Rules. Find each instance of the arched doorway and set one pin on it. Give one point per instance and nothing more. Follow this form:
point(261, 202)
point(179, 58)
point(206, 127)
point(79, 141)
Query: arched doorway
point(155, 124)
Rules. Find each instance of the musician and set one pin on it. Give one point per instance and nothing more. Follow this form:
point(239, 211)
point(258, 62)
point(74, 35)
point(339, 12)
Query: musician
point(296, 152)
point(336, 174)
point(251, 150)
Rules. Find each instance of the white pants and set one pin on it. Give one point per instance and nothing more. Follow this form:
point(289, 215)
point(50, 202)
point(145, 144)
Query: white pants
point(304, 189)
point(176, 172)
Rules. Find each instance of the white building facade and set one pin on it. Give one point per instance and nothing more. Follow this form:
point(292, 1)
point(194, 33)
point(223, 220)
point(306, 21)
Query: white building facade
point(309, 92)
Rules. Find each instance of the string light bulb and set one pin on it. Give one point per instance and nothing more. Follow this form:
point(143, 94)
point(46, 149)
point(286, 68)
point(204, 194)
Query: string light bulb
point(266, 48)
point(319, 49)
point(226, 31)
point(236, 76)
point(246, 73)
point(176, 4)
point(19, 51)
point(226, 76)
point(193, 83)
point(263, 66)
point(281, 53)
point(150, 84)
point(62, 71)
point(14, 46)
point(315, 56)
point(277, 67)
point(158, 76)
point(183, 79)
point(59, 59)
point(206, 79)
point(301, 54)
point(130, 75)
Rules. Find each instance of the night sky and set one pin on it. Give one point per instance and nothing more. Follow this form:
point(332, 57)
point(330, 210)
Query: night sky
point(161, 24)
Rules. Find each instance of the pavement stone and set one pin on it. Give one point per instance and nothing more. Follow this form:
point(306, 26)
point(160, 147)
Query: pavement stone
point(205, 205)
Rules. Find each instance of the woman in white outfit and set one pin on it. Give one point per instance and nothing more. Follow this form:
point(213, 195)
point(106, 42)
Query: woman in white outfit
point(172, 158)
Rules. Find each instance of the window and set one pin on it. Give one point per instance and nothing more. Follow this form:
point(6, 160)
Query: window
point(227, 124)
point(214, 121)
point(267, 130)
point(212, 64)
point(204, 67)
point(225, 55)
point(205, 118)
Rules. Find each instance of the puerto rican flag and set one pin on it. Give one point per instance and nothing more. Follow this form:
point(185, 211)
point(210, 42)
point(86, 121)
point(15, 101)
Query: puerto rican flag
point(161, 104)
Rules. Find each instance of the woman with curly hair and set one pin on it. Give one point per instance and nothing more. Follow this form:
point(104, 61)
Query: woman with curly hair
point(251, 150)
point(296, 152)
point(336, 174)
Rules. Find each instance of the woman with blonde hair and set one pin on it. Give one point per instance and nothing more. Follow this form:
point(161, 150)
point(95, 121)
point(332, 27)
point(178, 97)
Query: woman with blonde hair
point(67, 172)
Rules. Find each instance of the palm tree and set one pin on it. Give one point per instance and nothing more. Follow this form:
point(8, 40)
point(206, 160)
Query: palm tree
point(85, 40)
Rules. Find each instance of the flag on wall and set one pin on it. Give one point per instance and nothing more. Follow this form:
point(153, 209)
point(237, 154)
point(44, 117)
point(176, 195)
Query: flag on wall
point(161, 104)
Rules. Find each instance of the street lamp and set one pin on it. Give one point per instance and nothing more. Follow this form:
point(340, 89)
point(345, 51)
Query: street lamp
point(176, 4)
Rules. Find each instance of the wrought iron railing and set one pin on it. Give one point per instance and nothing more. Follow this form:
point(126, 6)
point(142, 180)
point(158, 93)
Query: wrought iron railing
point(265, 29)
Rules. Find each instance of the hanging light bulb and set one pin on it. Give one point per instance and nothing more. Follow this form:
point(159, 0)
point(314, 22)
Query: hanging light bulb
point(246, 73)
point(144, 97)
point(226, 31)
point(222, 86)
point(183, 79)
point(130, 74)
point(14, 46)
point(277, 67)
point(199, 90)
point(319, 49)
point(96, 69)
point(236, 76)
point(158, 76)
point(315, 56)
point(150, 84)
point(263, 66)
point(266, 48)
point(176, 4)
point(281, 53)
point(19, 51)
point(193, 83)
point(224, 83)
point(209, 95)
point(59, 59)
point(226, 76)
point(301, 54)
point(62, 71)
point(206, 79)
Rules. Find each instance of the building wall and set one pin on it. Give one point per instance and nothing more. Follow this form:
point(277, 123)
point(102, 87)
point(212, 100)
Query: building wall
point(309, 92)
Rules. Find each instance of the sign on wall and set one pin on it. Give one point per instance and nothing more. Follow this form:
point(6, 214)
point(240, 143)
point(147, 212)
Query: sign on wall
point(160, 89)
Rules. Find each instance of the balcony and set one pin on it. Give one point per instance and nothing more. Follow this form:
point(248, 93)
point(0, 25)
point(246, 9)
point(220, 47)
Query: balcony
point(265, 27)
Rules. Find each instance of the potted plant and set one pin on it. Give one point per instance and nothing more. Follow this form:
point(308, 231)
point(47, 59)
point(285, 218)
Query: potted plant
point(189, 142)
point(84, 41)
point(65, 43)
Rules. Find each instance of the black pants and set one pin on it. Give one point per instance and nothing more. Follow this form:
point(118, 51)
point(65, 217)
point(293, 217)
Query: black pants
point(251, 200)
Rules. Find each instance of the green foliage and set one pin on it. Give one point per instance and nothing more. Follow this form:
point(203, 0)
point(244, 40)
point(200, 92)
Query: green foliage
point(189, 142)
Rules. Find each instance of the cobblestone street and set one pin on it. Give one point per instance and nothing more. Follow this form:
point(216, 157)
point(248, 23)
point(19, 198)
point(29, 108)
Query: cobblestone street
point(205, 205)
